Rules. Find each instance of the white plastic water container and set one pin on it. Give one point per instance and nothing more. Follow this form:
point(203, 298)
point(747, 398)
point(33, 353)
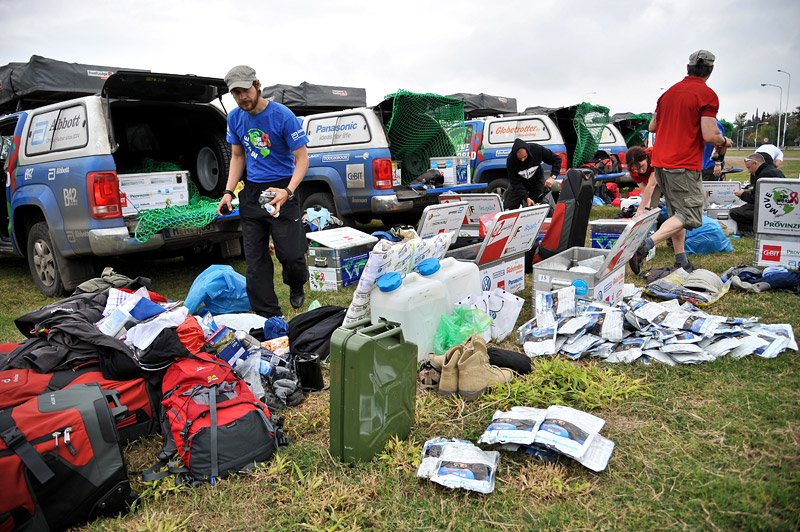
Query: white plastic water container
point(416, 303)
point(460, 278)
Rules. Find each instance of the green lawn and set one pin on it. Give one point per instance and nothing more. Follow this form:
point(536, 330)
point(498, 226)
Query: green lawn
point(708, 446)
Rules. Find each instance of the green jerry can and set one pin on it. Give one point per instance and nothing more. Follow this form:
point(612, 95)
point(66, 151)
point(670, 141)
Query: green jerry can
point(373, 389)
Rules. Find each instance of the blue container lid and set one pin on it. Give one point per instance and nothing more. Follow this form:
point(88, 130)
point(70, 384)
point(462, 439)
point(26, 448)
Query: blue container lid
point(429, 266)
point(581, 288)
point(389, 281)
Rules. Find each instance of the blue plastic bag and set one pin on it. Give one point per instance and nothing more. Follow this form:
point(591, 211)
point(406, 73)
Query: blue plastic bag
point(597, 201)
point(220, 289)
point(708, 238)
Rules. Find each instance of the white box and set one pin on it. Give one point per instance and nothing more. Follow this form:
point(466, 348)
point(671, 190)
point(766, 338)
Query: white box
point(777, 207)
point(501, 255)
point(774, 250)
point(605, 285)
point(141, 192)
point(456, 170)
point(337, 257)
point(477, 205)
point(721, 193)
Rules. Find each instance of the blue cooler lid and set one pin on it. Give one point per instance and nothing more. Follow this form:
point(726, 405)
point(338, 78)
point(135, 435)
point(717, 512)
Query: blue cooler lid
point(429, 266)
point(581, 288)
point(389, 281)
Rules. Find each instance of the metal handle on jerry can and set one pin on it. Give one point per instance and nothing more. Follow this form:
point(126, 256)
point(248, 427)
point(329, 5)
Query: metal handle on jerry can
point(562, 283)
point(382, 324)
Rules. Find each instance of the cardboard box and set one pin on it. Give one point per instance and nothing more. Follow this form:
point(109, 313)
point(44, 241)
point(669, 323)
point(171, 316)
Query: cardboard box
point(336, 257)
point(456, 170)
point(141, 192)
point(607, 283)
point(501, 255)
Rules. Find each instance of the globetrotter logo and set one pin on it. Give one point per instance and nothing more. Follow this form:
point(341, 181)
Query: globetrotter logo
point(781, 201)
point(771, 253)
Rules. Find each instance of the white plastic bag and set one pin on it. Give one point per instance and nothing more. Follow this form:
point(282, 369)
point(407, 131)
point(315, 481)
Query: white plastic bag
point(504, 308)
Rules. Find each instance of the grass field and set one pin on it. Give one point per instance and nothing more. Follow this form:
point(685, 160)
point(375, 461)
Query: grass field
point(712, 446)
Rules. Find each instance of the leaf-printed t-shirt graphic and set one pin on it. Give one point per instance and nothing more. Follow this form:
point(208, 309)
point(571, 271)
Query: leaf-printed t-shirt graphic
point(268, 140)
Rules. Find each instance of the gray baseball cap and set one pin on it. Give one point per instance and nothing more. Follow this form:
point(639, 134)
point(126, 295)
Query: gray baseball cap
point(240, 77)
point(701, 56)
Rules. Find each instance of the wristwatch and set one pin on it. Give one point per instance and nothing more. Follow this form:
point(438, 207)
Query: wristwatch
point(289, 191)
point(229, 192)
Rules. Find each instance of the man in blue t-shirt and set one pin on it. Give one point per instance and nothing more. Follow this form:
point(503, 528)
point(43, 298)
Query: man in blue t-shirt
point(712, 170)
point(268, 139)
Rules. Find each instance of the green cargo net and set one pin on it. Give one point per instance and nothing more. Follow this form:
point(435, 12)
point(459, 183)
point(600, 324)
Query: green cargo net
point(637, 135)
point(200, 211)
point(424, 126)
point(589, 121)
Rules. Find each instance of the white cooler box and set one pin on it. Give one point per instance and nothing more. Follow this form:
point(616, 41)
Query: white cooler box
point(605, 285)
point(336, 257)
point(500, 256)
point(142, 192)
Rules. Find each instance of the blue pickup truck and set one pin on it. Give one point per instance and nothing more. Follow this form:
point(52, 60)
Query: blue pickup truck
point(62, 206)
point(489, 142)
point(356, 169)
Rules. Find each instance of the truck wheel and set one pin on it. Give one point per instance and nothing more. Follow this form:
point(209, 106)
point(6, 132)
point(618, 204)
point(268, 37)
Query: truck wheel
point(211, 164)
point(498, 186)
point(53, 274)
point(324, 200)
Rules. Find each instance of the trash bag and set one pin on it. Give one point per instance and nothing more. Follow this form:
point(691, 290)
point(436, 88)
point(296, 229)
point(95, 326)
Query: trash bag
point(708, 238)
point(458, 326)
point(220, 289)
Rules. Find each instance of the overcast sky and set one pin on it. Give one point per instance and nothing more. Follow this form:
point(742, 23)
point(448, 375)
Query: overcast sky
point(541, 52)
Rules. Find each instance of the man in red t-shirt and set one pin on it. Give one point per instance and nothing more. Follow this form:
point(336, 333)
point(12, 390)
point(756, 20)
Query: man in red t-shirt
point(685, 119)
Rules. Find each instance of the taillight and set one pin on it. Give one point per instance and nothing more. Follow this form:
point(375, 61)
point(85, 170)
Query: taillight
point(564, 164)
point(382, 174)
point(623, 166)
point(103, 191)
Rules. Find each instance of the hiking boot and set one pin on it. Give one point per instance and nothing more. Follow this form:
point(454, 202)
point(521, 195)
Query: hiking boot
point(448, 381)
point(475, 374)
point(297, 297)
point(689, 268)
point(638, 259)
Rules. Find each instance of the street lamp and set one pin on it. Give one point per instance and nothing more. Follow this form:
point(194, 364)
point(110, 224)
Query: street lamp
point(780, 101)
point(741, 142)
point(755, 139)
point(786, 113)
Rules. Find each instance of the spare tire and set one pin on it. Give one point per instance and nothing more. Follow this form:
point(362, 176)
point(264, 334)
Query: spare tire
point(210, 163)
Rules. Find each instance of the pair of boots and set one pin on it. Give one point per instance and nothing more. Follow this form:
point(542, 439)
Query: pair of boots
point(466, 369)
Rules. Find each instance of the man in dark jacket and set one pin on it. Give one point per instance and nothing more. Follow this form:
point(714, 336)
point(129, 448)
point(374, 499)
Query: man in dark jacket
point(527, 185)
point(759, 165)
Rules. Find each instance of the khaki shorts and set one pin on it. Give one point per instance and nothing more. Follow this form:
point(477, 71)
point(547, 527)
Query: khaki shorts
point(683, 192)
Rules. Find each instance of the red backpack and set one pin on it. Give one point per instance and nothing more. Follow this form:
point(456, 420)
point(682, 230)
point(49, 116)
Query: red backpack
point(217, 425)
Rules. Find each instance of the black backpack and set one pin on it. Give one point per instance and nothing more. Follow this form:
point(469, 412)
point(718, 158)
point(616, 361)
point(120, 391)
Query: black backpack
point(310, 332)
